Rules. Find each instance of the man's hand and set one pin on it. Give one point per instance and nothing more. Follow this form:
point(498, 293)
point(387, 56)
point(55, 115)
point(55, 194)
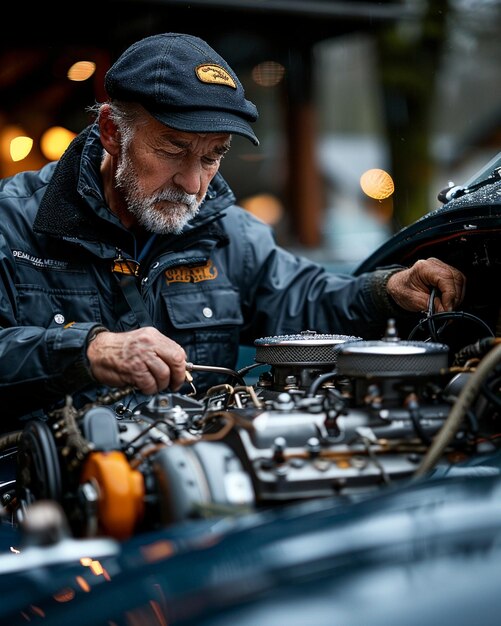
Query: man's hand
point(143, 358)
point(411, 287)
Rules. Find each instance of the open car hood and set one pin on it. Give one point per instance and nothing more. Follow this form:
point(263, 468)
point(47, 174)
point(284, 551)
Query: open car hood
point(459, 232)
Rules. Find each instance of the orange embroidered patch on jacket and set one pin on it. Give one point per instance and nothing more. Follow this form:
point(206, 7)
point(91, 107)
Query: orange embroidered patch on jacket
point(185, 274)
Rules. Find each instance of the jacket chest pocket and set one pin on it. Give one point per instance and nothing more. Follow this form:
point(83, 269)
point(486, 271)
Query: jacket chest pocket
point(40, 306)
point(203, 308)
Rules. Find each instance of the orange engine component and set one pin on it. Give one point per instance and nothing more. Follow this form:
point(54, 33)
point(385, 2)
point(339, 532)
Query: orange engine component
point(121, 492)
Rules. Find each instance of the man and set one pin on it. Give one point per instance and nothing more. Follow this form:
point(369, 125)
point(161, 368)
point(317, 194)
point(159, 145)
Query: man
point(128, 257)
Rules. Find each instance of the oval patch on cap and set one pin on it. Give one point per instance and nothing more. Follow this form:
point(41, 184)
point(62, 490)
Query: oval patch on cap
point(215, 74)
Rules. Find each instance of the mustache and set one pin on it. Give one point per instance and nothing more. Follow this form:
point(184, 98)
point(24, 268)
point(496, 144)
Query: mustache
point(178, 196)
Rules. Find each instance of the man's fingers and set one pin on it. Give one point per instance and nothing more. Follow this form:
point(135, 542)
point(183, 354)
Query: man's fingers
point(144, 358)
point(175, 358)
point(411, 288)
point(449, 281)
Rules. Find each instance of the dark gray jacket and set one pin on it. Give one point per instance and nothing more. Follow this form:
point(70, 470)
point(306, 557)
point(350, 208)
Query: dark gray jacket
point(222, 283)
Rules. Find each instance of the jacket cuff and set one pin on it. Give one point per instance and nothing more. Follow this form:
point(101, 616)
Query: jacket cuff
point(378, 286)
point(74, 340)
point(94, 332)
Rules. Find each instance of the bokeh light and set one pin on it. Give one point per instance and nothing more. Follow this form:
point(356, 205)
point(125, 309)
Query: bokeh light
point(81, 70)
point(54, 142)
point(268, 73)
point(14, 143)
point(377, 184)
point(264, 206)
point(20, 147)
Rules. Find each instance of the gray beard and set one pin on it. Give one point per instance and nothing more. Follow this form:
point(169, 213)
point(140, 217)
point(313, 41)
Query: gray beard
point(161, 221)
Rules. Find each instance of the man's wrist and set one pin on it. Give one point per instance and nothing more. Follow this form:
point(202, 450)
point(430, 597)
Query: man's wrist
point(94, 332)
point(383, 301)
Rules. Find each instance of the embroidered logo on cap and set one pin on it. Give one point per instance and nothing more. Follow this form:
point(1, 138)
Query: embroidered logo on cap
point(215, 74)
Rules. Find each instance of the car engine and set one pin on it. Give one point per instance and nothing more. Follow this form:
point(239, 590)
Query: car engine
point(330, 416)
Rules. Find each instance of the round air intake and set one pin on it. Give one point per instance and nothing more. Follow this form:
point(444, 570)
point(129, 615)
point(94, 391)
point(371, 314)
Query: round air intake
point(390, 358)
point(307, 348)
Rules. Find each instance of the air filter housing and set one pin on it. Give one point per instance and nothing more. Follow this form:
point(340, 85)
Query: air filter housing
point(296, 360)
point(385, 359)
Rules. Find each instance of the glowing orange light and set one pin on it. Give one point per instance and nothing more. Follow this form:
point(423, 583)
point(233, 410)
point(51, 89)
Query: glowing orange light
point(82, 583)
point(81, 70)
point(54, 142)
point(20, 147)
point(268, 73)
point(156, 551)
point(377, 184)
point(65, 595)
point(14, 143)
point(96, 568)
point(157, 611)
point(265, 206)
point(37, 610)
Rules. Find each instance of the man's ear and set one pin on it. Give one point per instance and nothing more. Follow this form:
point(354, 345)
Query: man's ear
point(110, 135)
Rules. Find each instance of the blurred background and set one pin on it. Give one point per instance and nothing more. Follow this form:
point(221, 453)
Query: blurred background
point(367, 109)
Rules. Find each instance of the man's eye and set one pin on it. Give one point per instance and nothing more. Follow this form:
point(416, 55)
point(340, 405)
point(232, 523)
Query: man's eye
point(168, 154)
point(210, 161)
point(213, 160)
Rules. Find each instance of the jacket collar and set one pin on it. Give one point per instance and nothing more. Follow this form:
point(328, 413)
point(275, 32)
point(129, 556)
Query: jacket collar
point(69, 207)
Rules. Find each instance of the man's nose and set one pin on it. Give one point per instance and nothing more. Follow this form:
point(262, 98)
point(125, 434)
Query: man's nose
point(188, 176)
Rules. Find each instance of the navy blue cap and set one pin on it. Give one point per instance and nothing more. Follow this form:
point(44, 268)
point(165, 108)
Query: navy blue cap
point(182, 82)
